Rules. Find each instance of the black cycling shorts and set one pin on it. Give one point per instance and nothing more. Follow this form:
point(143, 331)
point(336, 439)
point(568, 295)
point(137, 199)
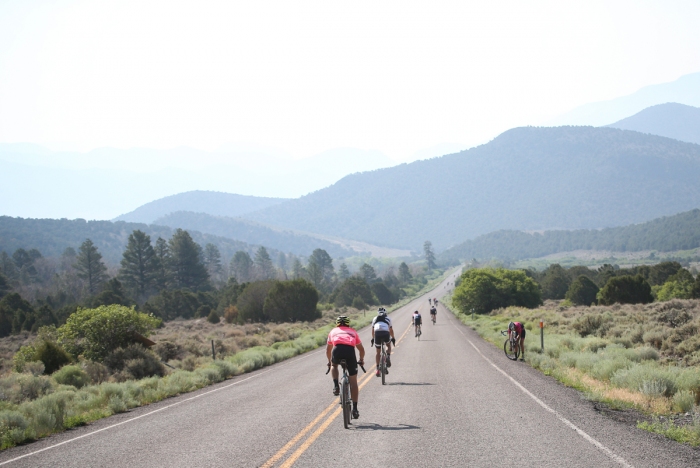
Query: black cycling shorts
point(417, 321)
point(433, 312)
point(381, 336)
point(346, 352)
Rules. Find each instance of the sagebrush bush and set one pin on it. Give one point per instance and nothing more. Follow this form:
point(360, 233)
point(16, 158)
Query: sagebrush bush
point(52, 355)
point(168, 350)
point(684, 400)
point(97, 371)
point(133, 362)
point(71, 375)
point(213, 317)
point(12, 428)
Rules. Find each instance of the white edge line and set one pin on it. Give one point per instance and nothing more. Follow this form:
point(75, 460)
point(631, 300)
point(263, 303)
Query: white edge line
point(561, 418)
point(151, 412)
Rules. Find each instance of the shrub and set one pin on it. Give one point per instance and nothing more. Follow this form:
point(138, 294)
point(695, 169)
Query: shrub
point(24, 355)
point(97, 332)
point(383, 294)
point(213, 317)
point(167, 350)
point(684, 400)
point(12, 428)
point(358, 303)
point(291, 301)
point(251, 301)
point(71, 375)
point(52, 355)
point(582, 291)
point(626, 289)
point(486, 289)
point(133, 362)
point(97, 372)
point(231, 314)
point(348, 290)
point(203, 311)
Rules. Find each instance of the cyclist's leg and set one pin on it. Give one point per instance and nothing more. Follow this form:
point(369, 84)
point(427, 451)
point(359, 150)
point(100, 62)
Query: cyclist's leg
point(354, 390)
point(522, 346)
point(379, 352)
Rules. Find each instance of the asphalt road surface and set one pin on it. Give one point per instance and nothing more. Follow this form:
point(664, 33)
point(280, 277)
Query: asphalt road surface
point(451, 399)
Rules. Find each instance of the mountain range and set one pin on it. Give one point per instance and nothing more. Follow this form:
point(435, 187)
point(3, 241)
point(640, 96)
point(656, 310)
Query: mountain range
point(530, 178)
point(672, 120)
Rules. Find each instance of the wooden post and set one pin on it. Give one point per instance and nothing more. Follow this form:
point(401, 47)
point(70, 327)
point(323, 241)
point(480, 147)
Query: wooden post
point(213, 352)
point(542, 335)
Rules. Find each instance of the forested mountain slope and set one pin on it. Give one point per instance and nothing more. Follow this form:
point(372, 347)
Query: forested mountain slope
point(525, 179)
point(678, 232)
point(52, 236)
point(248, 231)
point(199, 201)
point(671, 120)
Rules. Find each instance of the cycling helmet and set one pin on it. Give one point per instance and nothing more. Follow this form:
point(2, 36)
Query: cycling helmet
point(381, 311)
point(511, 326)
point(343, 321)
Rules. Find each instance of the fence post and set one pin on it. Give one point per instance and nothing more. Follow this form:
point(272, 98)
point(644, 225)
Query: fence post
point(213, 352)
point(542, 335)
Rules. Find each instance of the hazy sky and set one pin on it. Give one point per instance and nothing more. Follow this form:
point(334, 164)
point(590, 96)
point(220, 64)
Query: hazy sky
point(305, 77)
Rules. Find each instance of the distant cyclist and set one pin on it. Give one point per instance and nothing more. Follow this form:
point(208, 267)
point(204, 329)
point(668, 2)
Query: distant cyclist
point(382, 332)
point(417, 321)
point(433, 314)
point(341, 344)
point(435, 301)
point(519, 330)
point(430, 301)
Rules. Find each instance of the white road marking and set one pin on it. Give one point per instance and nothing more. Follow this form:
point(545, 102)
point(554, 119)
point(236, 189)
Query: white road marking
point(561, 418)
point(154, 411)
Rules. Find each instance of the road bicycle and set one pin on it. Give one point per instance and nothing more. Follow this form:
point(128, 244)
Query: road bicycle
point(345, 400)
point(419, 330)
point(512, 345)
point(382, 363)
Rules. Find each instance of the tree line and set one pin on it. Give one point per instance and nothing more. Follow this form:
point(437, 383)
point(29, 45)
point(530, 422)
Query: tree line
point(178, 278)
point(482, 290)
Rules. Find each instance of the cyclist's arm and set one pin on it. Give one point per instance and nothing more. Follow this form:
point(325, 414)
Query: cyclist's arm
point(361, 349)
point(391, 331)
point(329, 351)
point(372, 332)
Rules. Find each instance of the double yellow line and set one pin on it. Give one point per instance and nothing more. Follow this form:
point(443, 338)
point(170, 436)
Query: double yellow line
point(312, 438)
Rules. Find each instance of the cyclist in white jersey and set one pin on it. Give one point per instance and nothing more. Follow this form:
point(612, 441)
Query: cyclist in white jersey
point(382, 332)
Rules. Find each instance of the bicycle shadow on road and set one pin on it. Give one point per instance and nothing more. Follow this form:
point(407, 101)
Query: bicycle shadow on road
point(410, 383)
point(379, 427)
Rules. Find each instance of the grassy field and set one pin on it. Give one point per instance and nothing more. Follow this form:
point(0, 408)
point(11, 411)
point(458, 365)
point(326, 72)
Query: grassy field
point(33, 405)
point(645, 357)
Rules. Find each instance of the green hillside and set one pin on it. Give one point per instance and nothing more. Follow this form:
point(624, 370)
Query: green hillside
point(52, 236)
point(248, 231)
point(525, 179)
point(667, 234)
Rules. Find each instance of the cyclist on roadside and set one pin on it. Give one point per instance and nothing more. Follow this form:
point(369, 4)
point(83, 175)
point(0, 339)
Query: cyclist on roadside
point(417, 320)
point(382, 332)
point(433, 314)
point(519, 330)
point(341, 344)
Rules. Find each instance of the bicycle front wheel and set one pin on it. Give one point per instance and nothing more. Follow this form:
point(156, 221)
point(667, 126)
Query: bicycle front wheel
point(510, 350)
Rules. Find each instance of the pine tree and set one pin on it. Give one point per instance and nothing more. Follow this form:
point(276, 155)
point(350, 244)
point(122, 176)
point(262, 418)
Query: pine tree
point(8, 267)
point(404, 273)
point(343, 272)
point(429, 255)
point(367, 273)
point(139, 265)
point(163, 278)
point(186, 265)
point(241, 265)
point(298, 270)
point(212, 260)
point(90, 266)
point(282, 261)
point(263, 264)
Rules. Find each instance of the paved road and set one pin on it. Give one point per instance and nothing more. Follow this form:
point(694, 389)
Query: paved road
point(451, 400)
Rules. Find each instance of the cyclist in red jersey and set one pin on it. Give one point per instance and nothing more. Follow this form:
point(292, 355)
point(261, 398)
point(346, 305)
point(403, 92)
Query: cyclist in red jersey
point(341, 344)
point(519, 329)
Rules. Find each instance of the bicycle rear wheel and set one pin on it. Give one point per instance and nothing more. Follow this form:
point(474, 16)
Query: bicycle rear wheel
point(345, 402)
point(510, 350)
point(383, 366)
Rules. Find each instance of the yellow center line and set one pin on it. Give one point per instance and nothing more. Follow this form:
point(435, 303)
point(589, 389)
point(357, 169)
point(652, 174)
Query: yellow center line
point(312, 438)
point(281, 452)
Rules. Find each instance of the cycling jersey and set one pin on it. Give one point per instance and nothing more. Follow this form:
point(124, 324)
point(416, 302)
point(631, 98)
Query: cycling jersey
point(519, 329)
point(381, 325)
point(416, 319)
point(343, 336)
point(433, 311)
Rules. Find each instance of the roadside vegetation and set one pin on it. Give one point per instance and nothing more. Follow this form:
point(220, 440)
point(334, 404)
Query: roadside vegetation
point(622, 337)
point(167, 324)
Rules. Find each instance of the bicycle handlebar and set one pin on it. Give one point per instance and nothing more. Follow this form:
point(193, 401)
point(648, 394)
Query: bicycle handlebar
point(361, 367)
